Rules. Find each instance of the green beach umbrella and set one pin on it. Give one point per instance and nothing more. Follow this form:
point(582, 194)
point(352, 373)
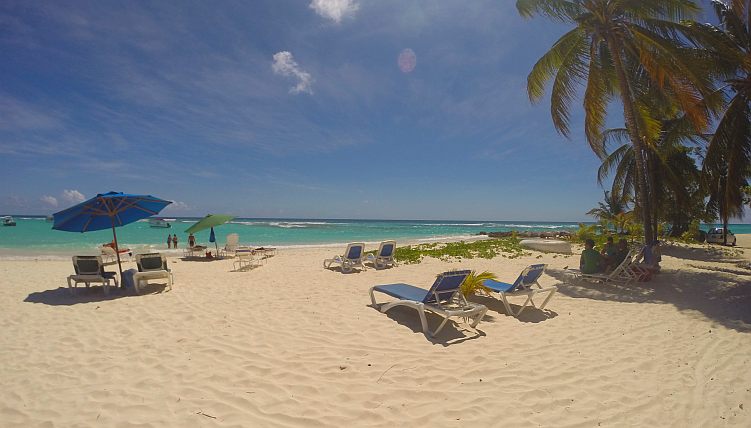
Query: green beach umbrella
point(208, 222)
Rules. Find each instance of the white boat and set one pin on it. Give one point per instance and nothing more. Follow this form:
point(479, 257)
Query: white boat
point(547, 245)
point(8, 221)
point(159, 222)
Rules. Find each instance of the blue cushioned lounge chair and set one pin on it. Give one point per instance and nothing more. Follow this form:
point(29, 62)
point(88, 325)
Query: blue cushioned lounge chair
point(353, 258)
point(443, 298)
point(385, 255)
point(522, 287)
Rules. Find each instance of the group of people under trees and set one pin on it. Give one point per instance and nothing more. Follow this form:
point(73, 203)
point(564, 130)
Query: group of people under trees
point(646, 263)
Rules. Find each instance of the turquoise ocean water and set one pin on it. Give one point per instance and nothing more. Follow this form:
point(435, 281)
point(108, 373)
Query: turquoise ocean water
point(34, 235)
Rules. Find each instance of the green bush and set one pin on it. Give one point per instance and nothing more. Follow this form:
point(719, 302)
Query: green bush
point(485, 249)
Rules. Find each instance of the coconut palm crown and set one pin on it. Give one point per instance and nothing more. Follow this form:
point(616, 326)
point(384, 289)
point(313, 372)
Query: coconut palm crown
point(616, 47)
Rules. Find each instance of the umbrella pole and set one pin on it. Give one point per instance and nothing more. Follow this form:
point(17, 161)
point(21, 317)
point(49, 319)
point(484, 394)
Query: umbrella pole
point(117, 253)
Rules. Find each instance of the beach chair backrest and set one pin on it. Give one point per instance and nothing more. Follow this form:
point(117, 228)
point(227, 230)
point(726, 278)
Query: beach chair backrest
point(445, 286)
point(87, 265)
point(354, 251)
point(529, 276)
point(624, 263)
point(150, 262)
point(233, 239)
point(387, 249)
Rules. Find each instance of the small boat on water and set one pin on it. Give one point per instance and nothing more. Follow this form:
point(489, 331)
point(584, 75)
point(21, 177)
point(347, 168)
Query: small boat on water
point(159, 222)
point(49, 219)
point(8, 221)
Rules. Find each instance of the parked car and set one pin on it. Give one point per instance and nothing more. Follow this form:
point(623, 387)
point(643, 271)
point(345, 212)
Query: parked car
point(714, 236)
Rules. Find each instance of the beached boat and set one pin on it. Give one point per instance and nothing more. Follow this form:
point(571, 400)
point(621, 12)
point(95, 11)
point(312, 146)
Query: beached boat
point(8, 221)
point(159, 222)
point(547, 245)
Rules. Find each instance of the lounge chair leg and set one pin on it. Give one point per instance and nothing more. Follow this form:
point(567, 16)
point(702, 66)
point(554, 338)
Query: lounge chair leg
point(526, 302)
point(424, 322)
point(506, 305)
point(480, 315)
point(71, 289)
point(440, 327)
point(547, 299)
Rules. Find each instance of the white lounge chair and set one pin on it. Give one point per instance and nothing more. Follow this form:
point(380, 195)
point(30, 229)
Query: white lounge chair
point(623, 273)
point(353, 258)
point(152, 266)
point(90, 269)
point(109, 256)
point(246, 258)
point(192, 251)
point(385, 255)
point(523, 286)
point(444, 298)
point(233, 242)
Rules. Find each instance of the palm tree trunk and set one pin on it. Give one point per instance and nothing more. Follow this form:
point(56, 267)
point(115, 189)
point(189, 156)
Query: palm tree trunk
point(651, 172)
point(642, 192)
point(724, 204)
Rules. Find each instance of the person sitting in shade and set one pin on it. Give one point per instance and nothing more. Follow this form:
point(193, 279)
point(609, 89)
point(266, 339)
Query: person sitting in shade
point(591, 261)
point(610, 254)
point(648, 260)
point(621, 251)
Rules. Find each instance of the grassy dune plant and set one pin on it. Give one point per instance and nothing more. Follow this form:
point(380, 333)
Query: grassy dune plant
point(485, 249)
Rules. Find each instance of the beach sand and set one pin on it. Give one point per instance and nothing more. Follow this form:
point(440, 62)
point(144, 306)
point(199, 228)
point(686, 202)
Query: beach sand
point(293, 344)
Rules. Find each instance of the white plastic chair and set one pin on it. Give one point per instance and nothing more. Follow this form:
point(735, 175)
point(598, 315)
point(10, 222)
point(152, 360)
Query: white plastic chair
point(152, 266)
point(90, 269)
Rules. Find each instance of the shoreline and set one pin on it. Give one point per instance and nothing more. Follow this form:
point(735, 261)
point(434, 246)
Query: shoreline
point(19, 254)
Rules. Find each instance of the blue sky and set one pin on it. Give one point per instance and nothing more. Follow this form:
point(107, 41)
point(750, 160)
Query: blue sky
point(286, 108)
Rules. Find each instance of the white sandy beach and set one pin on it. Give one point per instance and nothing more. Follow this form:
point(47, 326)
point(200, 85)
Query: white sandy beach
point(293, 344)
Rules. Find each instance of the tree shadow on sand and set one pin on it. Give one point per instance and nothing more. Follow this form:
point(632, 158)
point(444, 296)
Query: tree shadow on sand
point(722, 297)
point(454, 332)
point(708, 254)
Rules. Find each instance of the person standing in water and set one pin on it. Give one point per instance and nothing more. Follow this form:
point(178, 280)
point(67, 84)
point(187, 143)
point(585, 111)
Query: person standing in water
point(169, 241)
point(174, 241)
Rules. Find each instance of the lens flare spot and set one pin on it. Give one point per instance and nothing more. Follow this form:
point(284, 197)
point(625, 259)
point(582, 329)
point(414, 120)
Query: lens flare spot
point(407, 60)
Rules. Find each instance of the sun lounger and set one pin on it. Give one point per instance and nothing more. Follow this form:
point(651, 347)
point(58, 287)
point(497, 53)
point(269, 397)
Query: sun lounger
point(192, 251)
point(384, 257)
point(353, 258)
point(90, 269)
point(623, 273)
point(523, 286)
point(109, 256)
point(443, 298)
point(152, 266)
point(233, 242)
point(246, 258)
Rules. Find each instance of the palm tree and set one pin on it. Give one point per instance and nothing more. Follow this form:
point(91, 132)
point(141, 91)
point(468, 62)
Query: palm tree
point(674, 181)
point(614, 210)
point(615, 46)
point(728, 158)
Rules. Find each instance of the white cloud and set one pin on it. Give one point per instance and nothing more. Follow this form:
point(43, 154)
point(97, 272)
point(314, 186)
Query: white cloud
point(73, 196)
point(285, 65)
point(49, 200)
point(334, 10)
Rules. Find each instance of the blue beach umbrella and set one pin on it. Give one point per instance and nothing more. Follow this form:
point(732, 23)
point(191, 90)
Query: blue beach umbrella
point(212, 238)
point(105, 211)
